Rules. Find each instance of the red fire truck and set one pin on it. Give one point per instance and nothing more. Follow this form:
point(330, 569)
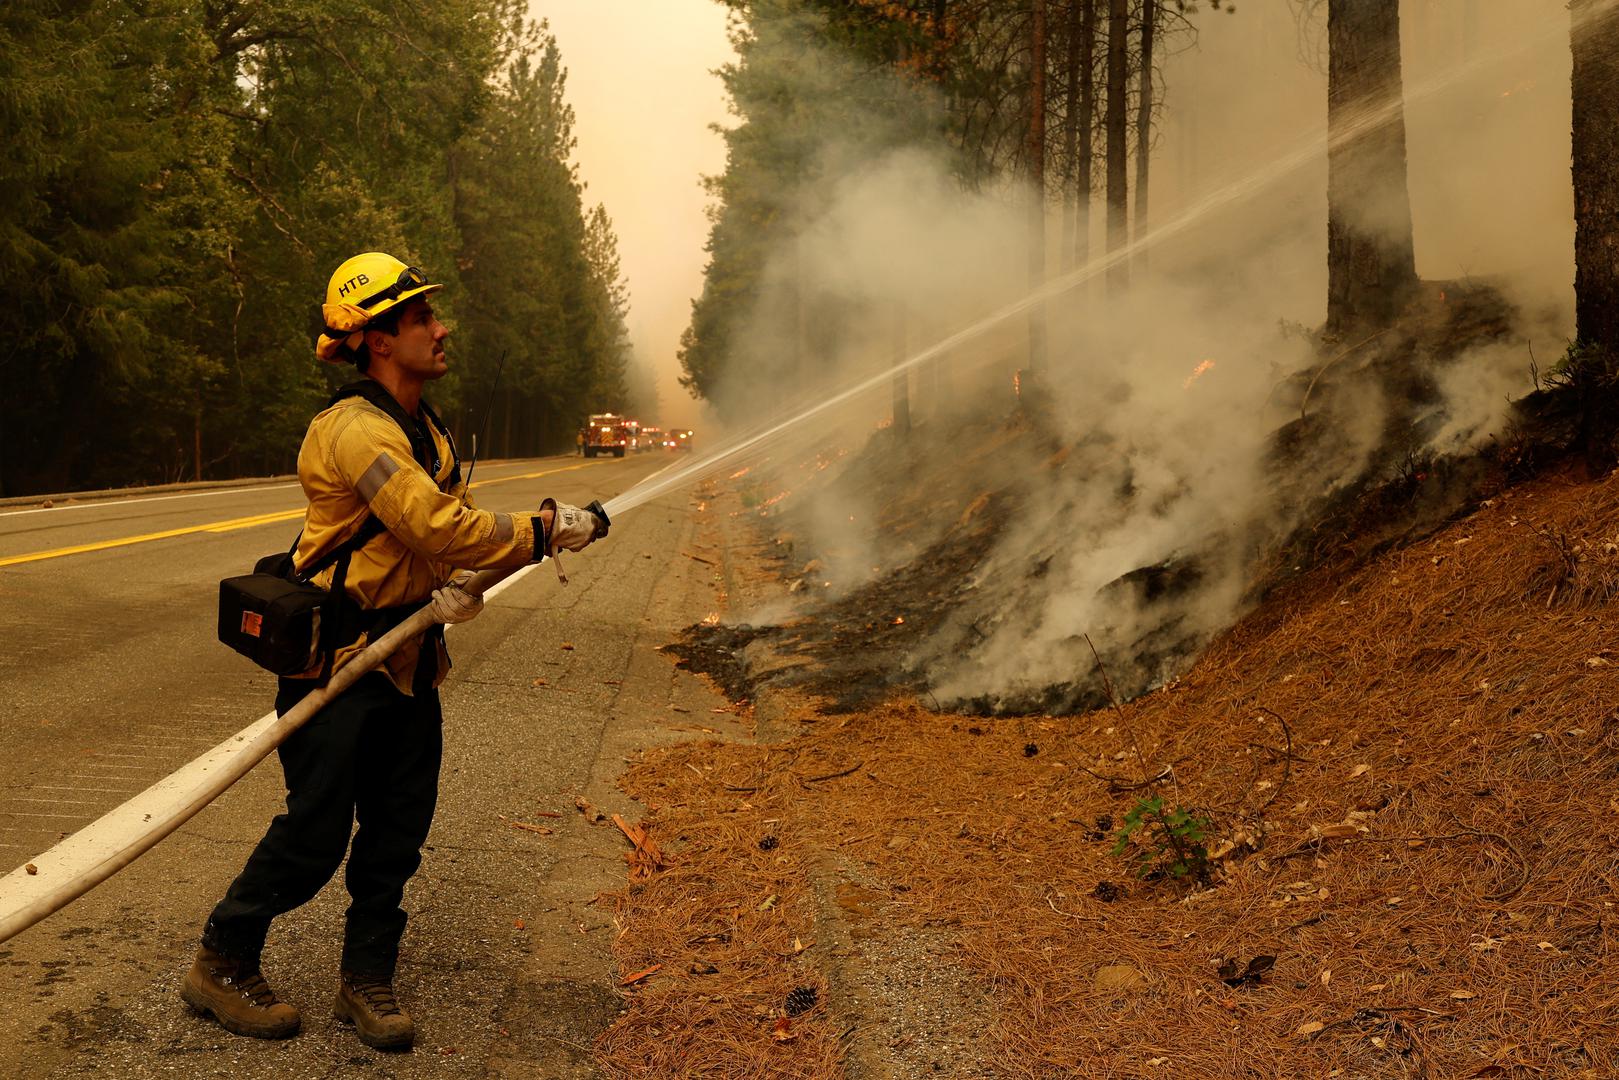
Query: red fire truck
point(607, 433)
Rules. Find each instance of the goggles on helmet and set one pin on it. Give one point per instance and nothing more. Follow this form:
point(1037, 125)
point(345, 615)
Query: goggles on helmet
point(409, 278)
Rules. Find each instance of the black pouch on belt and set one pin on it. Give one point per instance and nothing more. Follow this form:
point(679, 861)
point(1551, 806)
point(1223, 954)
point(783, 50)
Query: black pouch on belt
point(273, 616)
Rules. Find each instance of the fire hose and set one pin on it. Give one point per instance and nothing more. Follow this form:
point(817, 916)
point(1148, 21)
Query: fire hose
point(96, 852)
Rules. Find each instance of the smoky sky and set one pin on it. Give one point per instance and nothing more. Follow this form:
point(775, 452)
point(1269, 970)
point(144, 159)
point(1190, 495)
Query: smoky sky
point(641, 83)
point(1487, 142)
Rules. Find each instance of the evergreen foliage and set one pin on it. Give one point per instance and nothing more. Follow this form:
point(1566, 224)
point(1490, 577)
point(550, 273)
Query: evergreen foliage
point(817, 90)
point(822, 85)
point(183, 177)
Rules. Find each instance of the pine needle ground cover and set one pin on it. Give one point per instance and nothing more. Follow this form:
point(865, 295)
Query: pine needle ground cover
point(1400, 786)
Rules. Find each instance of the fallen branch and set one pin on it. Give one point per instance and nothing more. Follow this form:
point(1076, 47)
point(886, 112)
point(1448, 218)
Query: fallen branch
point(699, 558)
point(639, 975)
point(646, 859)
point(835, 775)
point(1113, 699)
point(526, 827)
point(1322, 370)
point(1071, 915)
point(1117, 784)
point(1287, 760)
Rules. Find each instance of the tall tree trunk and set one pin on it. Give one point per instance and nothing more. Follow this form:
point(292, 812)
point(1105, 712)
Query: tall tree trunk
point(1594, 42)
point(1149, 26)
point(936, 378)
point(1076, 67)
point(1036, 151)
point(1070, 135)
point(1118, 183)
point(1087, 121)
point(1595, 45)
point(1371, 264)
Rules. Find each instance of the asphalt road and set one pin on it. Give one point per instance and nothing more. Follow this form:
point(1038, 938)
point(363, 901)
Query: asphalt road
point(112, 678)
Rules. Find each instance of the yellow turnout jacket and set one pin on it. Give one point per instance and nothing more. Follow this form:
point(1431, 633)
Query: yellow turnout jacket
point(356, 460)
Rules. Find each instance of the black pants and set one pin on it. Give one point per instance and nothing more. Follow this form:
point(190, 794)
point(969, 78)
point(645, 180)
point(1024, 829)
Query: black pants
point(373, 755)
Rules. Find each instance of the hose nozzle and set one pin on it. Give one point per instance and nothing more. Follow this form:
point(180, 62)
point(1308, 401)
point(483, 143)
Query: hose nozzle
point(595, 507)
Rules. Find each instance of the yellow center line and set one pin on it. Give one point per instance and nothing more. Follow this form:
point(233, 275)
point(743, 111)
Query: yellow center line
point(534, 475)
point(247, 522)
point(225, 526)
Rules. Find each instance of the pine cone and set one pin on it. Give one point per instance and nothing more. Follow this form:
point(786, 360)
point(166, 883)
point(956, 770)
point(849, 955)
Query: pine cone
point(768, 843)
point(801, 1000)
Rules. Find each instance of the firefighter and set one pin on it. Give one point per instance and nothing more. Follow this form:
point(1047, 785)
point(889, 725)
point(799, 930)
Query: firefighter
point(372, 754)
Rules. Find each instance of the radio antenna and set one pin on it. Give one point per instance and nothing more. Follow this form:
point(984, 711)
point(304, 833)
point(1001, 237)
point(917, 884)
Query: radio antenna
point(488, 412)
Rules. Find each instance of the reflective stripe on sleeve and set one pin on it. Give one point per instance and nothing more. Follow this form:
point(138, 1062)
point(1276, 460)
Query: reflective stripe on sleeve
point(376, 476)
point(504, 529)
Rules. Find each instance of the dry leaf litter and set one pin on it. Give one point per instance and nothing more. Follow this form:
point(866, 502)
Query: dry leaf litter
point(1412, 772)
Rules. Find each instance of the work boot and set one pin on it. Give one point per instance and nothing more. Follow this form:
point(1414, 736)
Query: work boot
point(368, 1002)
point(234, 993)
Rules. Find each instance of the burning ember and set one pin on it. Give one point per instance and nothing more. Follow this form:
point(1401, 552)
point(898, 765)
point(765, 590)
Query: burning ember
point(740, 473)
point(1196, 372)
point(711, 619)
point(899, 620)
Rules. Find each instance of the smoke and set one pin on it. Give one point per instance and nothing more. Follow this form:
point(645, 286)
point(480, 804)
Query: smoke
point(1147, 536)
point(1477, 393)
point(1193, 424)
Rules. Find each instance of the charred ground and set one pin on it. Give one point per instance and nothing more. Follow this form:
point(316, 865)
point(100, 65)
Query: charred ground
point(850, 637)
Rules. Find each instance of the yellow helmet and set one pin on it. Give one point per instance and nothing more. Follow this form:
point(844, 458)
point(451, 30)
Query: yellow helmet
point(360, 290)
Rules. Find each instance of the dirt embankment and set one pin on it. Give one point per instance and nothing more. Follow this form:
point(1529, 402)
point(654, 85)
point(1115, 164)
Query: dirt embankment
point(1398, 782)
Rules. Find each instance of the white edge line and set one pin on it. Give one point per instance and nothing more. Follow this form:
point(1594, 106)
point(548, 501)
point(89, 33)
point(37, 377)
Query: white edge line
point(91, 503)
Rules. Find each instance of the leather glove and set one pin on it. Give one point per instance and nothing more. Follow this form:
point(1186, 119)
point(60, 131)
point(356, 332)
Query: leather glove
point(451, 604)
point(572, 529)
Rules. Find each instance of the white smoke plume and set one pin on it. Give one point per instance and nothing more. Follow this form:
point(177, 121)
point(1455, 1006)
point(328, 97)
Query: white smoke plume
point(1166, 400)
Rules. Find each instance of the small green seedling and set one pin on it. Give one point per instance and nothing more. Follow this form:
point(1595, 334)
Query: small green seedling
point(1168, 842)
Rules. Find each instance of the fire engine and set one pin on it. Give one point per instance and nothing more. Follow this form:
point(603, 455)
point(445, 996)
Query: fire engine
point(607, 433)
